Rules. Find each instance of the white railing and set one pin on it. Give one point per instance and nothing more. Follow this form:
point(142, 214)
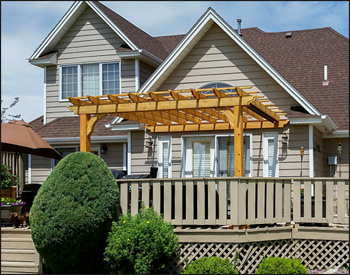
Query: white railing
point(239, 201)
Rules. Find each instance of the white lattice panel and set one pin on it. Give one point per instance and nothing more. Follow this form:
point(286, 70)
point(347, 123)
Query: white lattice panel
point(315, 254)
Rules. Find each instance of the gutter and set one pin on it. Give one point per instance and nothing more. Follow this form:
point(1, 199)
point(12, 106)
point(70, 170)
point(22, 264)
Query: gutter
point(126, 127)
point(44, 61)
point(323, 120)
point(142, 54)
point(69, 140)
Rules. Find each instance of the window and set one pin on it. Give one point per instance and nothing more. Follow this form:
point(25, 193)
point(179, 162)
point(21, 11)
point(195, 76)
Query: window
point(226, 156)
point(89, 79)
point(216, 85)
point(164, 157)
point(213, 155)
point(69, 82)
point(201, 159)
point(270, 152)
point(63, 152)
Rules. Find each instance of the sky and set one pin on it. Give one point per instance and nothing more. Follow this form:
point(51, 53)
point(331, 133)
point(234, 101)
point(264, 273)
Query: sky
point(25, 24)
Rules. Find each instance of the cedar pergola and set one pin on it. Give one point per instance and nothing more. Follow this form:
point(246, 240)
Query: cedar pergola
point(213, 109)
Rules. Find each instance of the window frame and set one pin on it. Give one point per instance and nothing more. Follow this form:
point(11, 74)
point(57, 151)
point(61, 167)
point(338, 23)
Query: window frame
point(266, 138)
point(250, 135)
point(80, 81)
point(215, 147)
point(62, 147)
point(161, 140)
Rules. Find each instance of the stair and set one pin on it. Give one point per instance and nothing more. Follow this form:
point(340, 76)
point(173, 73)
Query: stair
point(18, 254)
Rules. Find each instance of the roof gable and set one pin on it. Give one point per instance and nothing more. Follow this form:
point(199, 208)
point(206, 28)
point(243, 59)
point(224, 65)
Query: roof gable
point(195, 33)
point(134, 37)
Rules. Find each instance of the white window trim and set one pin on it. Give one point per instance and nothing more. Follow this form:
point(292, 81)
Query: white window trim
point(80, 78)
point(216, 146)
point(214, 82)
point(266, 137)
point(160, 141)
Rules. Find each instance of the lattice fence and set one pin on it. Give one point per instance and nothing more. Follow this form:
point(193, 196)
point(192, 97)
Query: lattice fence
point(315, 254)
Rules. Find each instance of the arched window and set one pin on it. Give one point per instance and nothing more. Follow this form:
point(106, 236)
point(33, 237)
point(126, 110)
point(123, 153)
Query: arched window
point(216, 85)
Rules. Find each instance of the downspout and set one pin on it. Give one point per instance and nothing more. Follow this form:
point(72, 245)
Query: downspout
point(44, 120)
point(137, 74)
point(129, 154)
point(311, 151)
point(29, 168)
point(125, 155)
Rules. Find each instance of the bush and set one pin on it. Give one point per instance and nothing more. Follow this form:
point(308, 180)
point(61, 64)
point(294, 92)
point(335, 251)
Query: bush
point(72, 214)
point(141, 244)
point(8, 179)
point(277, 265)
point(211, 265)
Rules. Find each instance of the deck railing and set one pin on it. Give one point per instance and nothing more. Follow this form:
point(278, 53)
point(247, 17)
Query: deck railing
point(240, 201)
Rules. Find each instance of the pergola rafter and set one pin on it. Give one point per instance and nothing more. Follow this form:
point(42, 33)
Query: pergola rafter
point(213, 109)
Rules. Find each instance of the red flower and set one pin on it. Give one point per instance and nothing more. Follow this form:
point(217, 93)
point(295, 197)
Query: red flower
point(11, 172)
point(5, 170)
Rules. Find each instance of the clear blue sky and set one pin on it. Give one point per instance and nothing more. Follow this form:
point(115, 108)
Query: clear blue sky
point(25, 24)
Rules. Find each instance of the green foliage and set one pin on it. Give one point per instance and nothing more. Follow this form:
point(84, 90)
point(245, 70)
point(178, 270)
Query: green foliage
point(10, 201)
point(8, 179)
point(72, 214)
point(212, 265)
point(140, 244)
point(276, 265)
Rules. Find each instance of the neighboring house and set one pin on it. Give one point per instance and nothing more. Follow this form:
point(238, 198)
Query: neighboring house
point(94, 51)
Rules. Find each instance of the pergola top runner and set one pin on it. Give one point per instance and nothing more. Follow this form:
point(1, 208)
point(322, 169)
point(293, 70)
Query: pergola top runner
point(185, 110)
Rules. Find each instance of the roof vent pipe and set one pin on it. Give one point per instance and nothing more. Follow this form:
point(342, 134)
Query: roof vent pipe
point(325, 78)
point(239, 22)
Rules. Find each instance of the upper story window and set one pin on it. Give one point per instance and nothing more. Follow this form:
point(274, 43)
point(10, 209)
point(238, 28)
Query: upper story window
point(216, 85)
point(89, 79)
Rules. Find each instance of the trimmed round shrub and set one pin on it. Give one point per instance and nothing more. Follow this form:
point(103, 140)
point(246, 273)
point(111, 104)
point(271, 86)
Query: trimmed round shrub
point(211, 265)
point(276, 265)
point(72, 214)
point(141, 244)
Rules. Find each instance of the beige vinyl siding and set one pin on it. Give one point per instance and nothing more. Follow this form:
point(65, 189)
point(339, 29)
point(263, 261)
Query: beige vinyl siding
point(41, 168)
point(288, 155)
point(145, 72)
point(331, 149)
point(89, 40)
point(318, 154)
point(216, 57)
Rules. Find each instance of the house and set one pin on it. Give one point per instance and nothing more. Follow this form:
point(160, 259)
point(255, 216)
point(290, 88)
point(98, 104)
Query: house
point(303, 75)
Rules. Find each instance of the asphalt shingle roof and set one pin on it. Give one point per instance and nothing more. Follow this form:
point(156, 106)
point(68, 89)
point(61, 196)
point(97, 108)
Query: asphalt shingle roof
point(300, 59)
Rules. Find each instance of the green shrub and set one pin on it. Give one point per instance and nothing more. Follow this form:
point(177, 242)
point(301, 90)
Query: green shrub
point(72, 214)
point(211, 265)
point(277, 265)
point(8, 179)
point(140, 244)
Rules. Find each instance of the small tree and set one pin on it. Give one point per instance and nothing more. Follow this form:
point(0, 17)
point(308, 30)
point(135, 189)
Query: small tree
point(72, 214)
point(8, 117)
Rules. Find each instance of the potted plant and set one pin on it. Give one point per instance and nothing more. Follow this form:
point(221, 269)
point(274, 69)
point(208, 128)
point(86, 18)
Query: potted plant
point(8, 206)
point(9, 182)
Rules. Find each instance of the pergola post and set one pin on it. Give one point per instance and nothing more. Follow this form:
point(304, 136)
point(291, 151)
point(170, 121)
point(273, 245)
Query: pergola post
point(238, 140)
point(85, 142)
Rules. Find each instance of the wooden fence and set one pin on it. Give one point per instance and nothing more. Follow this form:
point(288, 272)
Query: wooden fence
point(240, 201)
